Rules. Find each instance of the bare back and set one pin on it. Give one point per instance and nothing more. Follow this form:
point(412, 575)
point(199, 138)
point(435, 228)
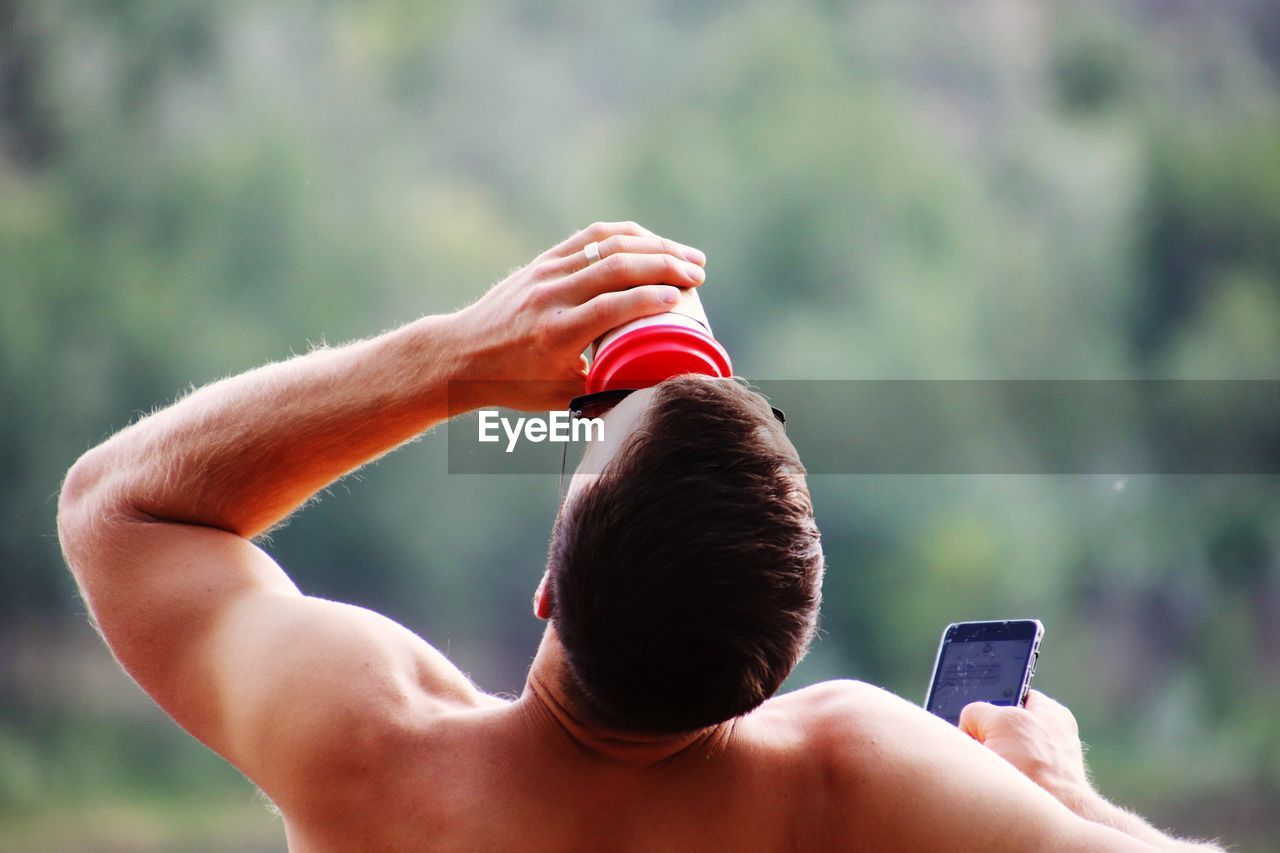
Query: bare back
point(500, 776)
point(483, 780)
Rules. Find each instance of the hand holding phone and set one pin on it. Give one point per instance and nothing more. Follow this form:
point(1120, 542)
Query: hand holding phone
point(983, 662)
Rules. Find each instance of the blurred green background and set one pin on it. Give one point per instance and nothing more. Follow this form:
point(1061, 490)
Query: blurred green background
point(986, 189)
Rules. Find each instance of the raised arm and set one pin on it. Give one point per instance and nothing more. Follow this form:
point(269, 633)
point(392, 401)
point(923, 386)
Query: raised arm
point(241, 454)
point(155, 523)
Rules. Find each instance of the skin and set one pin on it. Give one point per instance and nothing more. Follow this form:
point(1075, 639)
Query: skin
point(368, 738)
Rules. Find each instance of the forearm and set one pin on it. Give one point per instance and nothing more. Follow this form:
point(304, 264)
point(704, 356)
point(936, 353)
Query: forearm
point(244, 452)
point(1092, 806)
point(1042, 740)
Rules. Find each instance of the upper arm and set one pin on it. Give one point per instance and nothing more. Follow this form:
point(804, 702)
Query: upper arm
point(276, 682)
point(909, 778)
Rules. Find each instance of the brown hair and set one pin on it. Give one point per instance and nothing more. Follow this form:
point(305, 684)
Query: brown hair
point(685, 580)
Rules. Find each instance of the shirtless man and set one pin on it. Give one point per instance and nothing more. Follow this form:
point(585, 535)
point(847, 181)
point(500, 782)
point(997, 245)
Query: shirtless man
point(646, 722)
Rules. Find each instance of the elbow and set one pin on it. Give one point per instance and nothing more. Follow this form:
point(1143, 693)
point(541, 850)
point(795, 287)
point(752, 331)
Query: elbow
point(77, 485)
point(80, 505)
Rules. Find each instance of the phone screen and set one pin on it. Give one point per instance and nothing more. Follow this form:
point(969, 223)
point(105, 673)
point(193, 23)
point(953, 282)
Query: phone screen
point(983, 662)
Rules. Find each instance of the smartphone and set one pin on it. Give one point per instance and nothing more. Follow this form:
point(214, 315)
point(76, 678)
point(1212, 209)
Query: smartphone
point(983, 662)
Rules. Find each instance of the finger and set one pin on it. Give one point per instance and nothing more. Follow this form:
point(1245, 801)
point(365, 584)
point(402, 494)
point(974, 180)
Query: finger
point(1042, 705)
point(610, 310)
point(1042, 700)
point(625, 244)
point(978, 718)
point(622, 271)
point(1050, 710)
point(597, 232)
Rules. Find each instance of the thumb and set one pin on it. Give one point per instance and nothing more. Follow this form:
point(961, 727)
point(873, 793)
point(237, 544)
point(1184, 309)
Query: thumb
point(977, 719)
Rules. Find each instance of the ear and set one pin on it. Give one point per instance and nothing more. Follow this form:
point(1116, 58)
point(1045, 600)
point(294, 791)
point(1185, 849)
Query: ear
point(542, 600)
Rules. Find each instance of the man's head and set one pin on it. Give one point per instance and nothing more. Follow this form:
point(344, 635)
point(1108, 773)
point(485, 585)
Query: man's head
point(684, 578)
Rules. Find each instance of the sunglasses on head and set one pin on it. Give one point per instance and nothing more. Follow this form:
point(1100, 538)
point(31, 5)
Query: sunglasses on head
point(597, 404)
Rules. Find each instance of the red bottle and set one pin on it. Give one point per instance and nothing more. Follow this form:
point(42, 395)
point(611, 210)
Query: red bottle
point(646, 351)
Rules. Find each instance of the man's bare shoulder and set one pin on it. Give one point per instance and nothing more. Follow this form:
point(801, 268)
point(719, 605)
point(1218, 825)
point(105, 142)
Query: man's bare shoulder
point(837, 709)
point(843, 730)
point(854, 733)
point(898, 777)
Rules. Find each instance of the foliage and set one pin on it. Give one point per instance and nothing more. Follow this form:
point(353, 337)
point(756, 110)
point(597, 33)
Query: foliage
point(885, 190)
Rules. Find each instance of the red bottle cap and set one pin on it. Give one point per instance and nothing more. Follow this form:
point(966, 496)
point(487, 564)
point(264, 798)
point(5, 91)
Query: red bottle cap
point(647, 355)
